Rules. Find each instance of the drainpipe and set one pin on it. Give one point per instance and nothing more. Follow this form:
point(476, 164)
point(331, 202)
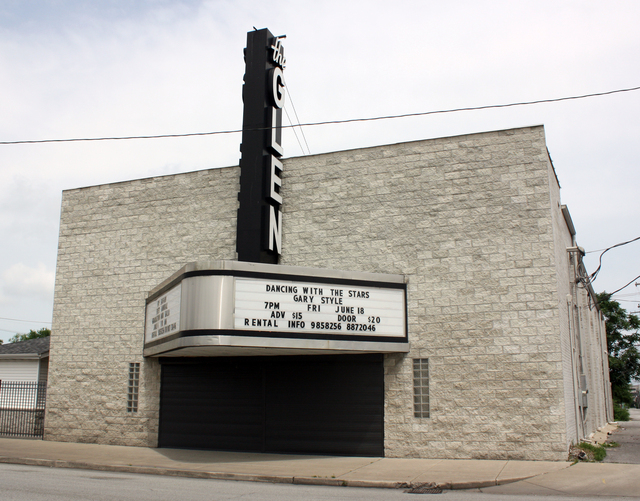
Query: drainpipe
point(576, 254)
point(573, 367)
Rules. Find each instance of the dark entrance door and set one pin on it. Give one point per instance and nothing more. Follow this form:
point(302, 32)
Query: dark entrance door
point(301, 404)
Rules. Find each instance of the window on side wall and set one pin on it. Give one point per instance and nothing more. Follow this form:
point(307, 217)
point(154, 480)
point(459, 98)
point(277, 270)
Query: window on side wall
point(132, 390)
point(421, 387)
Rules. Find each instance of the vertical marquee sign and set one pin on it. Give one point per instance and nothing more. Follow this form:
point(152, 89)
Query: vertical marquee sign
point(259, 227)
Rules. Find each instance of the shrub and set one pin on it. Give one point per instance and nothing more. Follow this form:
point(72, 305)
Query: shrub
point(620, 413)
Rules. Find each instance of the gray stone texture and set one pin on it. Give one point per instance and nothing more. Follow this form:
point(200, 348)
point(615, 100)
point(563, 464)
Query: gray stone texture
point(116, 243)
point(471, 221)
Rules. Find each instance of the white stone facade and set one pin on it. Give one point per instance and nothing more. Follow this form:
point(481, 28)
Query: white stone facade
point(473, 222)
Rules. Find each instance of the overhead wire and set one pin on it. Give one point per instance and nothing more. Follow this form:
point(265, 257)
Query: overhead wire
point(28, 321)
point(591, 278)
point(295, 112)
point(294, 130)
point(624, 286)
point(11, 332)
point(328, 122)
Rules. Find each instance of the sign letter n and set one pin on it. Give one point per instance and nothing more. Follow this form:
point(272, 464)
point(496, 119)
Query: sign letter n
point(275, 229)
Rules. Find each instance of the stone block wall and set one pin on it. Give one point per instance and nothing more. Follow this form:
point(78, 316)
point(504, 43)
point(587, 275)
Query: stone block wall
point(563, 239)
point(468, 221)
point(116, 243)
point(590, 342)
point(581, 331)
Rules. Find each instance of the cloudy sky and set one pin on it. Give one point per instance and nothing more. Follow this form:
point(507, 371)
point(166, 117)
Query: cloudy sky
point(86, 69)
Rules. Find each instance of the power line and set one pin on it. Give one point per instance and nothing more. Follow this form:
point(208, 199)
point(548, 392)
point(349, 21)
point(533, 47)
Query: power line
point(329, 122)
point(294, 131)
point(618, 290)
point(295, 112)
point(591, 278)
point(122, 138)
point(28, 321)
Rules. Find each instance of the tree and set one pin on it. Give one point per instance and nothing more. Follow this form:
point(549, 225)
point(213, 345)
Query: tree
point(44, 332)
point(623, 336)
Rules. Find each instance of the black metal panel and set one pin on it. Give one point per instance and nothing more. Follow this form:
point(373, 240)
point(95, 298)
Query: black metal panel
point(306, 404)
point(212, 405)
point(326, 405)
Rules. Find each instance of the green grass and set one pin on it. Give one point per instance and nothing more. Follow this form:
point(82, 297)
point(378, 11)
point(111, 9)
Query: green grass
point(598, 452)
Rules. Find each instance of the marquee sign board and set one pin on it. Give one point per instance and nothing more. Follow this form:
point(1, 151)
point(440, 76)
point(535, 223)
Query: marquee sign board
point(259, 226)
point(230, 307)
point(291, 306)
point(163, 314)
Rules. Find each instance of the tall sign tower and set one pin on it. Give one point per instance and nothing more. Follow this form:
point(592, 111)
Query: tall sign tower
point(259, 227)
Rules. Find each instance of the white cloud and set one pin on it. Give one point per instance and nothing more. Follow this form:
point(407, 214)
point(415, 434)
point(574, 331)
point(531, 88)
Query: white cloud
point(23, 280)
point(113, 68)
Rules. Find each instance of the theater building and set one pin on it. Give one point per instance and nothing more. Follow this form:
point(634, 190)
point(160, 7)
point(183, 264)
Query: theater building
point(420, 299)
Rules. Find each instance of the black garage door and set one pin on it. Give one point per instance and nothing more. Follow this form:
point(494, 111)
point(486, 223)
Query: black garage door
point(308, 404)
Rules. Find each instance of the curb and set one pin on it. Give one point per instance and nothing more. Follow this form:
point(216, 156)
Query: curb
point(149, 470)
point(248, 477)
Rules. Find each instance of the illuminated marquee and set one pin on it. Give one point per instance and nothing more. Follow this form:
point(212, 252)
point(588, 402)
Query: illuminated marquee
point(227, 308)
point(312, 307)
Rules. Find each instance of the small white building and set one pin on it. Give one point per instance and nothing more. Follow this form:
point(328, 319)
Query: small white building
point(24, 368)
point(26, 361)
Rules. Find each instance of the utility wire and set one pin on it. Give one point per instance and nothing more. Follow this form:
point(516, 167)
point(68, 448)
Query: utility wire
point(29, 321)
point(295, 112)
point(591, 278)
point(294, 131)
point(328, 122)
point(612, 293)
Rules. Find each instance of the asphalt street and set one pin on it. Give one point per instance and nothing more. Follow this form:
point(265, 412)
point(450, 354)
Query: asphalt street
point(101, 472)
point(39, 483)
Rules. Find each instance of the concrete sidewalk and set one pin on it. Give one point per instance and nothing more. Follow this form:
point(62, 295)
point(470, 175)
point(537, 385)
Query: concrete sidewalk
point(580, 480)
point(321, 470)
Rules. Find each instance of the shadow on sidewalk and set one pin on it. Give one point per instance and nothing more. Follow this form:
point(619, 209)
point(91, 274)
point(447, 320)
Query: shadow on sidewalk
point(206, 456)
